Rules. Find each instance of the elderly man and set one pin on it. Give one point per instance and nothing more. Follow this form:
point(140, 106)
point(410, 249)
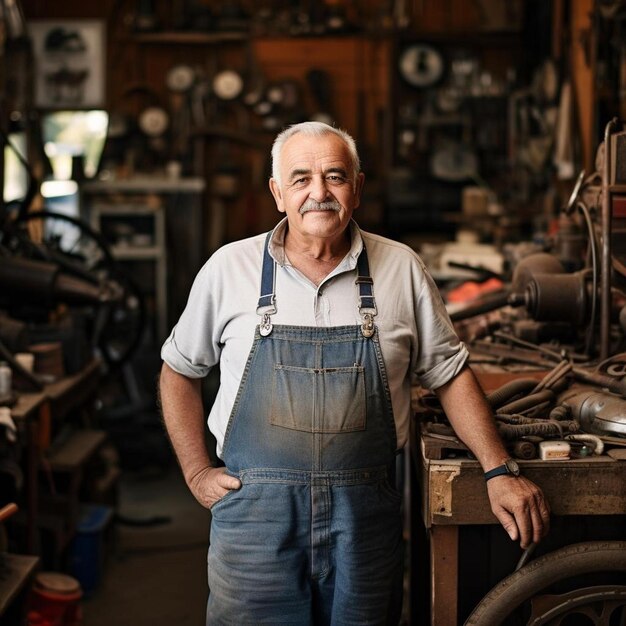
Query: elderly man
point(319, 329)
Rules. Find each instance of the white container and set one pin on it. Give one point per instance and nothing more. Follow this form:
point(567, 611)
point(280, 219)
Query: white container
point(554, 450)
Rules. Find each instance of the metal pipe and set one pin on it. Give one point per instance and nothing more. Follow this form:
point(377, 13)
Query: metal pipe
point(605, 274)
point(552, 377)
point(510, 390)
point(528, 402)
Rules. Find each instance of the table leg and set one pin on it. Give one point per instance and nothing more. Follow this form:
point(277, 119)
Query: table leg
point(444, 568)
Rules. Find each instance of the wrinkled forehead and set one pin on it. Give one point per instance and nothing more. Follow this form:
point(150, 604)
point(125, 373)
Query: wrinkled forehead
point(315, 154)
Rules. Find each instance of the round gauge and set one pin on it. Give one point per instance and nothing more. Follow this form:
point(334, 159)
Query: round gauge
point(421, 65)
point(227, 85)
point(180, 78)
point(153, 121)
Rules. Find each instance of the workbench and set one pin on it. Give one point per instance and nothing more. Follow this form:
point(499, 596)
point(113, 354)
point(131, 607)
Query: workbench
point(453, 495)
point(16, 573)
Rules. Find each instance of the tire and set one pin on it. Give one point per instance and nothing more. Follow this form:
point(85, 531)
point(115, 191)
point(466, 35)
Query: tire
point(581, 559)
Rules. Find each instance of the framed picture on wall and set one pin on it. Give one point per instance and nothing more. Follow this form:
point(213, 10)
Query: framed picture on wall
point(69, 63)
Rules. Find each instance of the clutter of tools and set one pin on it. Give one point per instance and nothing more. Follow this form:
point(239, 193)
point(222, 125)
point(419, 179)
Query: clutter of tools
point(556, 334)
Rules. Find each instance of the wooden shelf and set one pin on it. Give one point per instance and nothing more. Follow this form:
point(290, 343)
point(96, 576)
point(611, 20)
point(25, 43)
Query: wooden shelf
point(169, 37)
point(145, 184)
point(198, 38)
point(136, 253)
point(17, 570)
point(487, 38)
point(73, 453)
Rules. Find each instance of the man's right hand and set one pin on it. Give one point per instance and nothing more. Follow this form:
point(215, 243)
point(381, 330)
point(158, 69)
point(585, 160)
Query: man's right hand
point(211, 484)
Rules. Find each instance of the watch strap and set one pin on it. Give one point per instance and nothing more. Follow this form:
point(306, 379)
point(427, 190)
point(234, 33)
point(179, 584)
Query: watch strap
point(497, 471)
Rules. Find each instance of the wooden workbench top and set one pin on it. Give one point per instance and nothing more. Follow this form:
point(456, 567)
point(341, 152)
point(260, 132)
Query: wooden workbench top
point(454, 490)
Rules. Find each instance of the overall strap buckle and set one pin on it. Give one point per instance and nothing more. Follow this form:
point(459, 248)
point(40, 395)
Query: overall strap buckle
point(265, 327)
point(367, 327)
point(266, 305)
point(367, 303)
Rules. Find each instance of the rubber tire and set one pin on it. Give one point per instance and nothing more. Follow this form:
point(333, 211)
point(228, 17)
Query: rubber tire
point(574, 560)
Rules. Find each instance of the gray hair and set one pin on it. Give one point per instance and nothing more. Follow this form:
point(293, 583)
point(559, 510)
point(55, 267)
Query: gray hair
point(314, 129)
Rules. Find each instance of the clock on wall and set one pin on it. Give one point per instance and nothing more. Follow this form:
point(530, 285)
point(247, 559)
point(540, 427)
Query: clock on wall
point(421, 65)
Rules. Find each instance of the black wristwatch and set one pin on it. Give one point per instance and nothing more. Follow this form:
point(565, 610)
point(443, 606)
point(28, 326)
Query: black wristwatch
point(509, 467)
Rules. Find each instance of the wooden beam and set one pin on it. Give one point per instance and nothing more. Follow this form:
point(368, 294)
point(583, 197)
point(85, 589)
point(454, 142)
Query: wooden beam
point(444, 568)
point(582, 66)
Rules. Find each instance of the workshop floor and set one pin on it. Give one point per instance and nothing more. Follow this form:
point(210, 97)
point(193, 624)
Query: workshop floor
point(154, 575)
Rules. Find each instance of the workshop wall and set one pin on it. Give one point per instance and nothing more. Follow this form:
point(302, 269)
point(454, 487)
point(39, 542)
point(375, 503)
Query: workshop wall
point(442, 97)
point(339, 59)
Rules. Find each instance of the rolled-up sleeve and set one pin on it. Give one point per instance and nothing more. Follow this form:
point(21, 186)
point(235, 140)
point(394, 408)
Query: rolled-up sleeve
point(440, 355)
point(193, 347)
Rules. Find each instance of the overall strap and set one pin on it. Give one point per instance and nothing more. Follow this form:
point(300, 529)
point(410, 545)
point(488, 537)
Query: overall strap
point(367, 303)
point(266, 305)
point(267, 300)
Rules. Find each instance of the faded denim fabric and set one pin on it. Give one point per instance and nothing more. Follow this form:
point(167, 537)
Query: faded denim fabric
point(313, 537)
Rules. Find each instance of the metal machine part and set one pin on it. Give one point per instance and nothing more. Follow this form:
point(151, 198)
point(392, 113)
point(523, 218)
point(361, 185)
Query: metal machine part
point(539, 263)
point(36, 280)
point(558, 297)
point(549, 294)
point(598, 412)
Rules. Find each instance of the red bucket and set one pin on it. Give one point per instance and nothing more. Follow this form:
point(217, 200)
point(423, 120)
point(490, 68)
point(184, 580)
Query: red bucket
point(55, 600)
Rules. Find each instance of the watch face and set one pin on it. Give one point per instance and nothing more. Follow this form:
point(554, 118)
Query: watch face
point(512, 466)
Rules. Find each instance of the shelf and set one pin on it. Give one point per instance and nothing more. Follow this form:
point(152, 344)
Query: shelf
point(145, 184)
point(17, 571)
point(487, 38)
point(216, 38)
point(124, 209)
point(130, 253)
point(169, 37)
point(72, 454)
point(146, 221)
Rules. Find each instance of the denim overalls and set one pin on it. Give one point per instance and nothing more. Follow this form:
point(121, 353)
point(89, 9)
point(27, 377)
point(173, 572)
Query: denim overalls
point(314, 534)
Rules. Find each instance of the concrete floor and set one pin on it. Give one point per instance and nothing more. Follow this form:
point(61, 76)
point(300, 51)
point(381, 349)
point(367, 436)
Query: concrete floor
point(154, 575)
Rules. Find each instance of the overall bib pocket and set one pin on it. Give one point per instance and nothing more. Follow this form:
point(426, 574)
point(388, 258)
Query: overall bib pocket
point(319, 400)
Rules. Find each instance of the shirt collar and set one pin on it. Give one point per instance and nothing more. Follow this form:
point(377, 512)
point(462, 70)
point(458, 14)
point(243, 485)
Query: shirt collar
point(277, 244)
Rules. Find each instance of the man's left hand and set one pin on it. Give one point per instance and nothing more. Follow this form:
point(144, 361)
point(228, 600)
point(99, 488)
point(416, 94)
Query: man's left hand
point(520, 507)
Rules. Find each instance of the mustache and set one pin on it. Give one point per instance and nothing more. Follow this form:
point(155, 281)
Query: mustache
point(313, 205)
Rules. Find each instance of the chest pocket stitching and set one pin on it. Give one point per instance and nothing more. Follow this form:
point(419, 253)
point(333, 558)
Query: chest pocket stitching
point(319, 400)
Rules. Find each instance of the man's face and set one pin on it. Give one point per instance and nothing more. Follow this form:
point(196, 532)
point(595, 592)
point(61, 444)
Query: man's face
point(317, 191)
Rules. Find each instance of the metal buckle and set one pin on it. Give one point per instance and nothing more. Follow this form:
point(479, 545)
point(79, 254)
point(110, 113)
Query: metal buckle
point(367, 328)
point(265, 327)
